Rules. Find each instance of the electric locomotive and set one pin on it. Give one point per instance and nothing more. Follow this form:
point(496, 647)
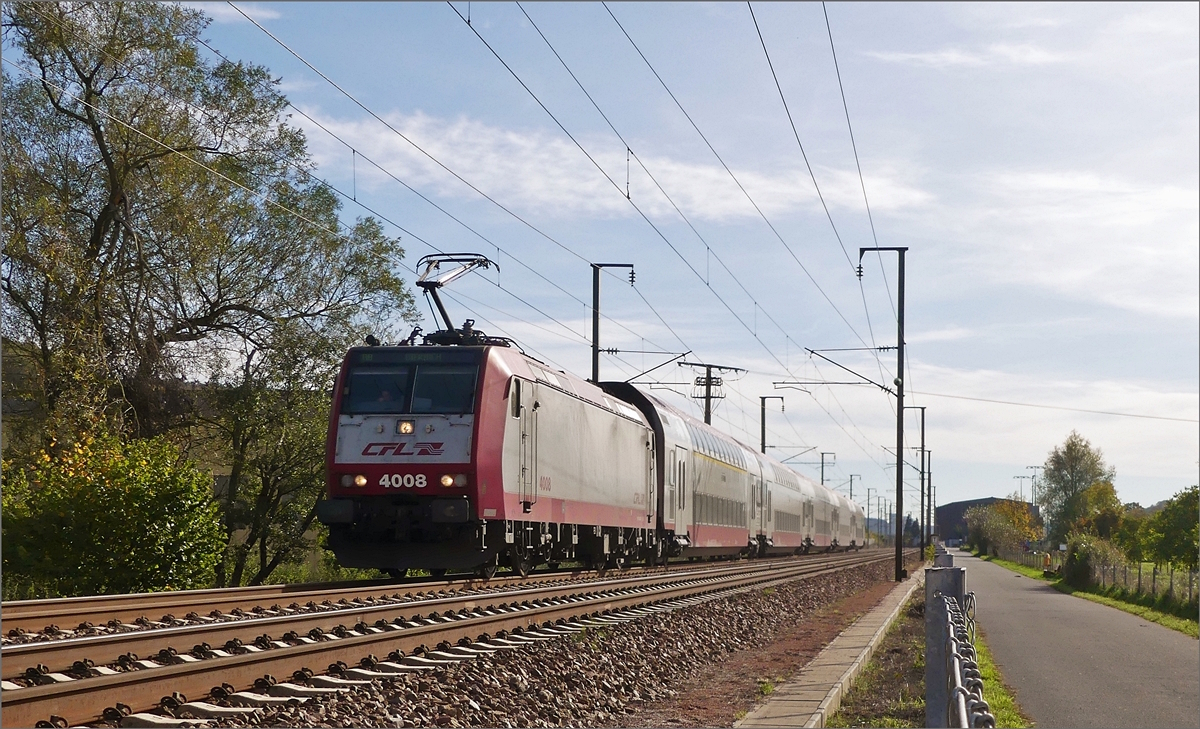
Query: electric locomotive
point(465, 453)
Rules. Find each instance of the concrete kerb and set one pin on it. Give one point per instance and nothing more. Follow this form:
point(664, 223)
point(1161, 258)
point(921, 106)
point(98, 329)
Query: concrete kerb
point(767, 715)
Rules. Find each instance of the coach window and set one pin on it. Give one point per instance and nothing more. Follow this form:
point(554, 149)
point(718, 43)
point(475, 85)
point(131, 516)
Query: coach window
point(515, 398)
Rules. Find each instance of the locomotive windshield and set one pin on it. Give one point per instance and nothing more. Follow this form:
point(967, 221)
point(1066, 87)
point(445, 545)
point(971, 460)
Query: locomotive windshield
point(444, 389)
point(408, 381)
point(376, 389)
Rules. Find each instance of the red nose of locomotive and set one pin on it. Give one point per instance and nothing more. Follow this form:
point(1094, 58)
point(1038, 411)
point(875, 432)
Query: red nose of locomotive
point(400, 447)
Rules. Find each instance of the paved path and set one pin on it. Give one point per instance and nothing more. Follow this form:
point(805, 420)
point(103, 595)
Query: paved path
point(1076, 663)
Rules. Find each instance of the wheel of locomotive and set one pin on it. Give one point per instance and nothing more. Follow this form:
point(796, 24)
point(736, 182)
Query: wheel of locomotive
point(437, 573)
point(552, 566)
point(395, 574)
point(519, 561)
point(487, 570)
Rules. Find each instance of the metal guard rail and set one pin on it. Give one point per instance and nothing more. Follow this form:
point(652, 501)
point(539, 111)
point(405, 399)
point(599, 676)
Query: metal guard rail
point(965, 706)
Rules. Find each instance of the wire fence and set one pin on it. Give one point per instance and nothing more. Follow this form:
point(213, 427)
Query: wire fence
point(1136, 578)
point(1146, 578)
point(1037, 560)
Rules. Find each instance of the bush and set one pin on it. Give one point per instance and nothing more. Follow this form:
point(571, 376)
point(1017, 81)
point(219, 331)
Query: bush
point(1085, 551)
point(104, 516)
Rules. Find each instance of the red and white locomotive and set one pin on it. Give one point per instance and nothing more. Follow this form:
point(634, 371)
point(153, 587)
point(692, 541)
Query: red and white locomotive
point(464, 453)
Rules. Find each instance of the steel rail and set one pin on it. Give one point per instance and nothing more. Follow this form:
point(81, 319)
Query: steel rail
point(35, 615)
point(83, 700)
point(61, 655)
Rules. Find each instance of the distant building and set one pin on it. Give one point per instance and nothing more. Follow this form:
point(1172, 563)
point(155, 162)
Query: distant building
point(951, 522)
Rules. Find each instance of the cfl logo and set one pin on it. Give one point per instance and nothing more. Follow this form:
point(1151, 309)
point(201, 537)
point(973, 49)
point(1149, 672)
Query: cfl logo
point(401, 449)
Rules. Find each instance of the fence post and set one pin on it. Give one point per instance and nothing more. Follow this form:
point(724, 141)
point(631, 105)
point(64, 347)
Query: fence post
point(1171, 583)
point(1154, 581)
point(949, 581)
point(1139, 591)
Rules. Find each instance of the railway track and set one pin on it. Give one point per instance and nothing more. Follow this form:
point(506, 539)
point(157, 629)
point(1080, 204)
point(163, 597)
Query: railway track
point(78, 680)
point(64, 614)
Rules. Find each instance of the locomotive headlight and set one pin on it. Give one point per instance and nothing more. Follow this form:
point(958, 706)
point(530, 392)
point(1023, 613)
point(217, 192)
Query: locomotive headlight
point(460, 480)
point(447, 480)
point(360, 480)
point(406, 427)
point(347, 480)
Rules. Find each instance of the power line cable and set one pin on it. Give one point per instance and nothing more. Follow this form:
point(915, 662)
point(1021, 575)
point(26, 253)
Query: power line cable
point(732, 175)
point(639, 210)
point(812, 175)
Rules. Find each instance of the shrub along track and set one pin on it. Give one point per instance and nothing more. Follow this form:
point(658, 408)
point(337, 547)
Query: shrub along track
point(62, 676)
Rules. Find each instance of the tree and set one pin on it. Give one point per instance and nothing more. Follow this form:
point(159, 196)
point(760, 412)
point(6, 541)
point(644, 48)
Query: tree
point(154, 201)
point(1102, 510)
point(1173, 534)
point(106, 516)
point(1007, 524)
point(166, 251)
point(1131, 535)
point(1018, 515)
point(1069, 470)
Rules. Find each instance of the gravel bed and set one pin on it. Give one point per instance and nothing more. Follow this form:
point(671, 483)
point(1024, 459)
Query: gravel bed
point(594, 678)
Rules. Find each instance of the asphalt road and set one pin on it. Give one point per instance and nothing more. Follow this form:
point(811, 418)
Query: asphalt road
point(1076, 663)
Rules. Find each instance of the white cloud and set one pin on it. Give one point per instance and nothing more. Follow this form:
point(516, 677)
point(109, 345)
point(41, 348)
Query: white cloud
point(999, 433)
point(1089, 236)
point(222, 13)
point(1025, 54)
point(543, 171)
point(939, 335)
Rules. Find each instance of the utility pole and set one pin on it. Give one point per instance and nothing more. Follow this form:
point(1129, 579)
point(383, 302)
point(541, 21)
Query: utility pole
point(921, 516)
point(596, 267)
point(869, 490)
point(823, 454)
point(1022, 486)
point(1033, 484)
point(899, 382)
point(762, 401)
point(930, 511)
point(708, 382)
point(852, 477)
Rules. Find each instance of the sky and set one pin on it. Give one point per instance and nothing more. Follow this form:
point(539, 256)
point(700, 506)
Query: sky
point(1040, 163)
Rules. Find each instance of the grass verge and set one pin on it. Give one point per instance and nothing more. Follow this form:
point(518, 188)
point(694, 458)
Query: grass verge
point(1187, 626)
point(1183, 625)
point(890, 692)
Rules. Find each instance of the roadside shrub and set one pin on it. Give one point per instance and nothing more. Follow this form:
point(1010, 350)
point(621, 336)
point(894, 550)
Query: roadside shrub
point(1085, 551)
point(104, 516)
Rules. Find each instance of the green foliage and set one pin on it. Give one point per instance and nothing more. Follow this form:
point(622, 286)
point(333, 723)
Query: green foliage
point(1069, 470)
point(1172, 535)
point(1085, 551)
point(104, 516)
point(1131, 536)
point(170, 264)
point(1006, 524)
point(1179, 616)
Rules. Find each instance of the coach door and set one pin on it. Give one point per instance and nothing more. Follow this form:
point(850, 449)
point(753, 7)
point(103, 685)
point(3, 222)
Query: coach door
point(528, 404)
